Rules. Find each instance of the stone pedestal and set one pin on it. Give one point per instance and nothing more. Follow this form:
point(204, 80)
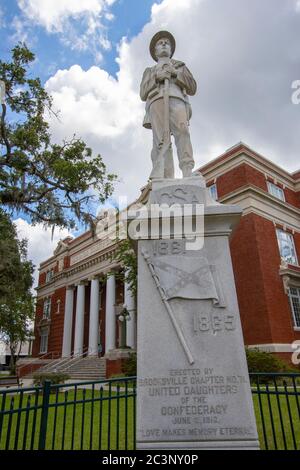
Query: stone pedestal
point(193, 388)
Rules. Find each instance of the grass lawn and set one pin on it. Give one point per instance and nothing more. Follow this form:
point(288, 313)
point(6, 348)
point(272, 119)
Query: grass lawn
point(84, 426)
point(87, 425)
point(280, 428)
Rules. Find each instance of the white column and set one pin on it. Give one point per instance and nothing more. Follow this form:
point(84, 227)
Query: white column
point(110, 317)
point(129, 302)
point(68, 320)
point(94, 318)
point(79, 323)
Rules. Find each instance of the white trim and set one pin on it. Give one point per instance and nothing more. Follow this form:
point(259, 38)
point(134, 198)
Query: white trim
point(255, 200)
point(214, 185)
point(291, 303)
point(220, 166)
point(273, 347)
point(44, 342)
point(47, 308)
point(292, 247)
point(274, 188)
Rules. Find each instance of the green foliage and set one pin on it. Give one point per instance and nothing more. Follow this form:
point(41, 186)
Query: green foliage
point(16, 301)
point(126, 256)
point(129, 366)
point(260, 361)
point(56, 184)
point(10, 261)
point(55, 378)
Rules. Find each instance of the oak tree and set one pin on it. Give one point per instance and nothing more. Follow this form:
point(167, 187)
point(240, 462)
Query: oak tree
point(56, 184)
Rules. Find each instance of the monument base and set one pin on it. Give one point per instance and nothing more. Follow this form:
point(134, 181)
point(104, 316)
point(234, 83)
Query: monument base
point(183, 445)
point(193, 389)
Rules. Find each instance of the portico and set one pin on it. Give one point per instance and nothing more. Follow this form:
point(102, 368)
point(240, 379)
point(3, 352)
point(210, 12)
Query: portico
point(89, 305)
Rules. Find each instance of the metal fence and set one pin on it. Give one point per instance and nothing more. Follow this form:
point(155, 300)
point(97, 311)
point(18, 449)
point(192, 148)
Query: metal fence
point(276, 400)
point(100, 415)
point(78, 416)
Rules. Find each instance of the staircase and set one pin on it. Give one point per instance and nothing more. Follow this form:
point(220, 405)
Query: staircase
point(90, 368)
point(78, 368)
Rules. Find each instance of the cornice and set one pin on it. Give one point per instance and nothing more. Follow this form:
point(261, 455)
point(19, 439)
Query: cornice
point(254, 200)
point(290, 277)
point(64, 277)
point(244, 155)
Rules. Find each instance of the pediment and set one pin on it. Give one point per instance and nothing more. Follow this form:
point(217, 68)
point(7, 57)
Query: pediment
point(61, 247)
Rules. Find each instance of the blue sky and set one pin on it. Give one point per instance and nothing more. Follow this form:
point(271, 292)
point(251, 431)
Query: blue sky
point(244, 55)
point(129, 18)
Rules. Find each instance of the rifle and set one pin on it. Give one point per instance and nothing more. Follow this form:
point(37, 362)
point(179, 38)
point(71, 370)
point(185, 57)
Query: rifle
point(158, 168)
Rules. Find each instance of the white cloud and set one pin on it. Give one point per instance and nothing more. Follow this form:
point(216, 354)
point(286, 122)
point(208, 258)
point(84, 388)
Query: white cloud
point(53, 14)
point(92, 102)
point(244, 57)
point(22, 31)
point(78, 23)
point(40, 242)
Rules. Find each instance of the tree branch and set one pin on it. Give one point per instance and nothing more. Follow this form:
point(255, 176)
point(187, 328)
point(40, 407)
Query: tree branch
point(3, 132)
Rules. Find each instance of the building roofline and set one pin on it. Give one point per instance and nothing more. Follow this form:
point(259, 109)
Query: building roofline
point(241, 147)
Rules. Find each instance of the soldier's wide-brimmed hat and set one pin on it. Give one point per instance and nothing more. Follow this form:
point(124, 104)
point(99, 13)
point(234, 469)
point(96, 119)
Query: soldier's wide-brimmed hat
point(157, 37)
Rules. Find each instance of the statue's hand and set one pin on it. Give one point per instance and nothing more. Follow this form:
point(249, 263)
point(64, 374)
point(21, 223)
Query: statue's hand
point(167, 72)
point(162, 74)
point(171, 70)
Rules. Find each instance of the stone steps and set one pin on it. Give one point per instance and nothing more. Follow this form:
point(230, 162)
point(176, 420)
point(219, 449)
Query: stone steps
point(90, 368)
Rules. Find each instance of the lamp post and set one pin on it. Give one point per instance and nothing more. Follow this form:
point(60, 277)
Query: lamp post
point(30, 341)
point(123, 316)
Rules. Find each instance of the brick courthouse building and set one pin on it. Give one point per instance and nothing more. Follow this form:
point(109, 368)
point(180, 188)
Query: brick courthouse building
point(77, 313)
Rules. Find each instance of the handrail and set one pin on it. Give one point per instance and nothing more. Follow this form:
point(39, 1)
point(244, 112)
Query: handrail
point(64, 363)
point(77, 358)
point(67, 362)
point(60, 362)
point(36, 360)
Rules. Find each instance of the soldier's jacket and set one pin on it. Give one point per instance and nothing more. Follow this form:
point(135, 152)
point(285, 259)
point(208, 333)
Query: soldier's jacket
point(180, 87)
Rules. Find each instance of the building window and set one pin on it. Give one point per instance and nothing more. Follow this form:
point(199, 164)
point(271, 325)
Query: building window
point(287, 247)
point(49, 275)
point(213, 191)
point(276, 191)
point(44, 341)
point(58, 306)
point(295, 304)
point(47, 308)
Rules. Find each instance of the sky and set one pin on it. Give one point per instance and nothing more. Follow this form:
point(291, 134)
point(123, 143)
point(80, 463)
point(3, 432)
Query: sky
point(91, 54)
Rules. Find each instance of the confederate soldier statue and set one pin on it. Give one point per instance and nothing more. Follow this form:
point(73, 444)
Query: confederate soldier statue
point(165, 88)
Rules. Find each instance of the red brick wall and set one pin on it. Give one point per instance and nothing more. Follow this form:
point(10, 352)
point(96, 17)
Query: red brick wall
point(264, 306)
point(42, 278)
point(249, 282)
point(66, 262)
point(292, 198)
point(38, 317)
point(114, 367)
point(279, 311)
point(297, 244)
point(56, 325)
point(255, 177)
point(29, 368)
point(57, 321)
point(238, 177)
